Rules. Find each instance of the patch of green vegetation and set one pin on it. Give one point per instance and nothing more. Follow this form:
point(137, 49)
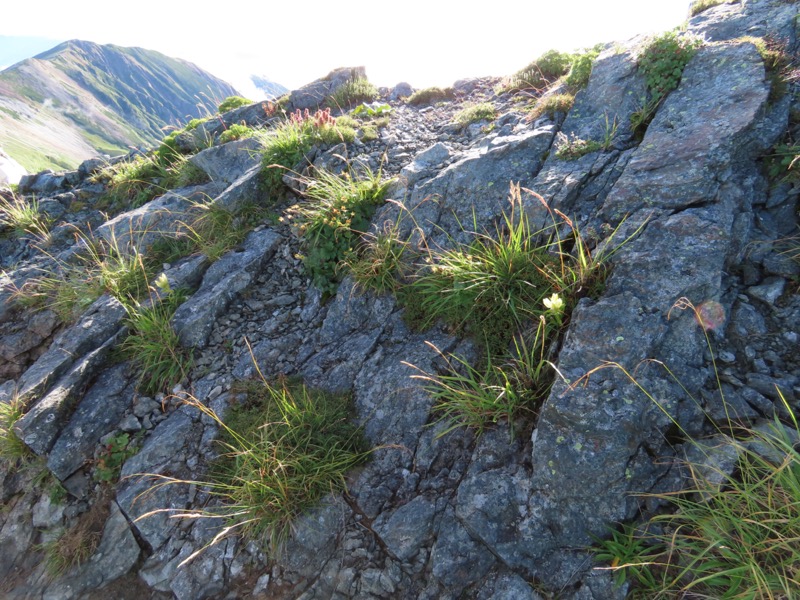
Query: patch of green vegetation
point(663, 60)
point(153, 346)
point(731, 533)
point(287, 145)
point(353, 92)
point(331, 222)
point(236, 132)
point(76, 545)
point(131, 184)
point(777, 63)
point(493, 289)
point(284, 449)
point(484, 111)
point(551, 105)
point(116, 450)
point(581, 68)
point(574, 147)
point(380, 261)
point(541, 73)
point(699, 6)
point(783, 163)
point(23, 217)
point(430, 95)
point(12, 449)
point(232, 102)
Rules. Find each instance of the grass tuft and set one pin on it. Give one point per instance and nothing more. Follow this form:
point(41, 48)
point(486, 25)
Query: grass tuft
point(23, 217)
point(284, 449)
point(337, 212)
point(355, 91)
point(429, 96)
point(153, 346)
point(12, 449)
point(731, 533)
point(484, 111)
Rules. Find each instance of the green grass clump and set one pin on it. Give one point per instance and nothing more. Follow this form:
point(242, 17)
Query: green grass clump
point(102, 267)
point(131, 184)
point(542, 72)
point(484, 111)
point(23, 217)
point(284, 449)
point(12, 449)
point(379, 263)
point(699, 6)
point(232, 102)
point(331, 222)
point(551, 105)
point(353, 92)
point(74, 546)
point(153, 346)
point(499, 289)
point(732, 532)
point(573, 147)
point(729, 535)
point(429, 96)
point(777, 63)
point(287, 145)
point(236, 132)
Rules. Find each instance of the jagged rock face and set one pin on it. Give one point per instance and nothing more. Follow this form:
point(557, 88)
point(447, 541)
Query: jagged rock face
point(435, 513)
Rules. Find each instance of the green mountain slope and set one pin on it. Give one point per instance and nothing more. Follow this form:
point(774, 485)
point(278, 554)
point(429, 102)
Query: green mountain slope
point(80, 99)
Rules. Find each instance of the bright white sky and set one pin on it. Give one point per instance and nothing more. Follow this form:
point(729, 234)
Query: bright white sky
point(422, 42)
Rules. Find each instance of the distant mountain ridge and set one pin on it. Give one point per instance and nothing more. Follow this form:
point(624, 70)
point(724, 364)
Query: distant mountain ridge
point(80, 99)
point(270, 88)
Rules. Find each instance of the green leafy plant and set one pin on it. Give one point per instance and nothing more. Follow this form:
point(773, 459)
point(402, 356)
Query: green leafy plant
point(581, 67)
point(331, 222)
point(116, 450)
point(783, 164)
point(484, 111)
point(374, 109)
point(236, 132)
point(353, 92)
point(663, 60)
point(629, 555)
point(232, 102)
point(283, 450)
point(153, 346)
point(24, 217)
point(430, 95)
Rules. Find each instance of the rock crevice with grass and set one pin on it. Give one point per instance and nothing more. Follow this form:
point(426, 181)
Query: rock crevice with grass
point(476, 344)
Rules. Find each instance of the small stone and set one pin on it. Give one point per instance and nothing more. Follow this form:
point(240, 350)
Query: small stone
point(130, 424)
point(727, 357)
point(769, 291)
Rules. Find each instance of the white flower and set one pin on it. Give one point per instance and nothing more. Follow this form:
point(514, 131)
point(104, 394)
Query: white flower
point(554, 303)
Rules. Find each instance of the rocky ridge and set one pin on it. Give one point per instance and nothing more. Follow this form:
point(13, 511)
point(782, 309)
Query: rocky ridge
point(430, 516)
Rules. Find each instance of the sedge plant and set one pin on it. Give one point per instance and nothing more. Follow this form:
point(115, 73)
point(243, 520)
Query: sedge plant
point(281, 452)
point(732, 532)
